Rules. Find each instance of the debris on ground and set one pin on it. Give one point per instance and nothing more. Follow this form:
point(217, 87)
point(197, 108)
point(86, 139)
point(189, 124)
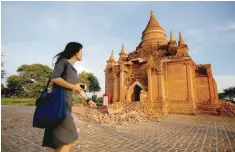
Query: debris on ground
point(120, 113)
point(227, 109)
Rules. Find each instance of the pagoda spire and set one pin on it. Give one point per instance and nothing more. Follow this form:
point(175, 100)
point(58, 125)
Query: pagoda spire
point(172, 36)
point(152, 13)
point(172, 42)
point(152, 21)
point(112, 55)
point(153, 32)
point(111, 61)
point(123, 52)
point(123, 49)
point(181, 40)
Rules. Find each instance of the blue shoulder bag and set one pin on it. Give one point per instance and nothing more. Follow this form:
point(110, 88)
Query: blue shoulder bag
point(50, 107)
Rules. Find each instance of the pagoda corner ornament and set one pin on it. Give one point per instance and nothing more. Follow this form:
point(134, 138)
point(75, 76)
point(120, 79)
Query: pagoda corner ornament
point(161, 75)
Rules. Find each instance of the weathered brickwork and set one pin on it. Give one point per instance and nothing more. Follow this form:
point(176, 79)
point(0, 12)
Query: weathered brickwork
point(166, 77)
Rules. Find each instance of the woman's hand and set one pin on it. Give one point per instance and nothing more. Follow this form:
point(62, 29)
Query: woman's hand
point(77, 88)
point(92, 104)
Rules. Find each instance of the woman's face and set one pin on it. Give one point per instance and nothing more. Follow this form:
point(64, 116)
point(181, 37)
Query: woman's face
point(79, 55)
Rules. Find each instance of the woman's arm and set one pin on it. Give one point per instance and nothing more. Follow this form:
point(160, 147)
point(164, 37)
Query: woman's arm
point(88, 100)
point(83, 95)
point(61, 82)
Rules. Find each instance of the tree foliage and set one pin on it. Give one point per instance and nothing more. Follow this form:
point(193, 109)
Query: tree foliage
point(31, 79)
point(90, 81)
point(83, 78)
point(94, 84)
point(227, 94)
point(15, 86)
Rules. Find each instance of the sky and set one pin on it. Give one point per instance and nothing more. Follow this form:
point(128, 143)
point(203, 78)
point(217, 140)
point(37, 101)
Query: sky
point(34, 32)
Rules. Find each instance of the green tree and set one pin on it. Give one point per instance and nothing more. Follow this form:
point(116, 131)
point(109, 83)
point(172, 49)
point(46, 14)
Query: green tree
point(31, 80)
point(227, 94)
point(94, 98)
point(99, 101)
point(90, 80)
point(15, 86)
point(83, 78)
point(35, 77)
point(94, 84)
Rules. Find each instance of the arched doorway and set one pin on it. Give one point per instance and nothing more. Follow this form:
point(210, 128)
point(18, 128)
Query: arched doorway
point(136, 93)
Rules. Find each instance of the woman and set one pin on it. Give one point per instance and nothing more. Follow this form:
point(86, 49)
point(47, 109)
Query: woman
point(65, 135)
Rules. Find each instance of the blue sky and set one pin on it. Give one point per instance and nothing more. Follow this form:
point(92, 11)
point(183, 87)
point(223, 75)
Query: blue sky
point(33, 32)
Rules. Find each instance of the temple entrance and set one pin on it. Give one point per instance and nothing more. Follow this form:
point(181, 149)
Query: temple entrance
point(136, 93)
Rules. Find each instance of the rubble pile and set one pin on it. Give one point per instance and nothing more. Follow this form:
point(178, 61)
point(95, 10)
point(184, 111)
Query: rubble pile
point(227, 109)
point(120, 113)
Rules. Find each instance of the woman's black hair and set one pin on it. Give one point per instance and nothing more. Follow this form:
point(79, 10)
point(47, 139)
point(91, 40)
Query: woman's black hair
point(70, 50)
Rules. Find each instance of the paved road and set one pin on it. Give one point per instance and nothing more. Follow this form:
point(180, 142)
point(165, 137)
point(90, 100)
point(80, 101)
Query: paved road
point(175, 133)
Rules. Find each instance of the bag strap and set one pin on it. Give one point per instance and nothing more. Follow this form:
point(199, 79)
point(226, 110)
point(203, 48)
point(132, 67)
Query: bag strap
point(49, 80)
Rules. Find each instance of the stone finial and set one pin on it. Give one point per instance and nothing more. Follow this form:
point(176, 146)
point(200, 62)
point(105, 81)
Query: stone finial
point(111, 62)
point(181, 40)
point(123, 49)
point(152, 13)
point(112, 55)
point(172, 36)
point(123, 52)
point(172, 42)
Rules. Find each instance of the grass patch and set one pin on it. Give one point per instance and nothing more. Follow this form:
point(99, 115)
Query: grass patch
point(26, 101)
point(18, 102)
point(31, 102)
